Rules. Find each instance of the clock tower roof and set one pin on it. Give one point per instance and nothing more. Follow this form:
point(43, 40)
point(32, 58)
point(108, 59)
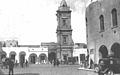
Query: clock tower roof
point(63, 6)
point(63, 3)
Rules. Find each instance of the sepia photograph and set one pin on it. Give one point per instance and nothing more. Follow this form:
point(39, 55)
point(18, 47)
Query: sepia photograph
point(59, 37)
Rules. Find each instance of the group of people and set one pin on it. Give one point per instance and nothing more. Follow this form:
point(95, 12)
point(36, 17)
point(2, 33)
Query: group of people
point(10, 63)
point(56, 62)
point(22, 64)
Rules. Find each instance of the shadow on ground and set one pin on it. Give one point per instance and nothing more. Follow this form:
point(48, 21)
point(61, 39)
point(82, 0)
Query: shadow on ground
point(1, 73)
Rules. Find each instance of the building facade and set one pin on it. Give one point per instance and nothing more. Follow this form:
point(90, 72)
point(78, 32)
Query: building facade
point(52, 50)
point(103, 29)
point(34, 54)
point(80, 52)
point(64, 32)
point(31, 54)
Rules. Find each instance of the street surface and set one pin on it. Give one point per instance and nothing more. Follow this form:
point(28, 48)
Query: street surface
point(47, 69)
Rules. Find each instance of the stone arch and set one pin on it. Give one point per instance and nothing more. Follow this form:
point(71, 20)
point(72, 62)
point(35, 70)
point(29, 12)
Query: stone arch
point(12, 55)
point(43, 58)
point(22, 57)
point(51, 56)
point(3, 54)
point(115, 49)
point(33, 58)
point(103, 51)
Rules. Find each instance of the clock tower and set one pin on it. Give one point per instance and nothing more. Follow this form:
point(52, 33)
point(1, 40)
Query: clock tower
point(64, 32)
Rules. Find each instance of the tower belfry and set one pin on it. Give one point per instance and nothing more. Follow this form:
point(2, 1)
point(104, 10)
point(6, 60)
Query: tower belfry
point(64, 32)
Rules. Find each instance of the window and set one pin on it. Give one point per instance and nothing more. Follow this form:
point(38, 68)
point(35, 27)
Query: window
point(101, 23)
point(64, 22)
point(86, 21)
point(64, 39)
point(114, 17)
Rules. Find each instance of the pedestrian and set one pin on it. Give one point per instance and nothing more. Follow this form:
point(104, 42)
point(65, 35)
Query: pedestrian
point(21, 64)
point(6, 63)
point(3, 62)
point(57, 62)
point(16, 63)
point(26, 63)
point(11, 66)
point(54, 62)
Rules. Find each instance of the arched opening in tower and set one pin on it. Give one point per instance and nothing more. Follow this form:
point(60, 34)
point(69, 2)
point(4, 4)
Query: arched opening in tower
point(103, 52)
point(115, 49)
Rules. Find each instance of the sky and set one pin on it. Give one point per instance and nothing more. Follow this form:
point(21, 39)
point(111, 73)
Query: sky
point(35, 21)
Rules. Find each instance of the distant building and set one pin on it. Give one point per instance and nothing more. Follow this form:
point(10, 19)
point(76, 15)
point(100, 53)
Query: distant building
point(52, 46)
point(52, 50)
point(80, 45)
point(64, 32)
point(34, 54)
point(80, 52)
point(103, 29)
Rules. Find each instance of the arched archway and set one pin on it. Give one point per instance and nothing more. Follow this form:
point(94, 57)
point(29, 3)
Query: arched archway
point(33, 58)
point(22, 57)
point(103, 52)
point(115, 49)
point(12, 55)
point(3, 54)
point(51, 56)
point(43, 58)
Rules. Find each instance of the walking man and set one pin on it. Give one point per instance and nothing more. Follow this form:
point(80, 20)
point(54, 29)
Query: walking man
point(26, 63)
point(57, 62)
point(11, 66)
point(54, 62)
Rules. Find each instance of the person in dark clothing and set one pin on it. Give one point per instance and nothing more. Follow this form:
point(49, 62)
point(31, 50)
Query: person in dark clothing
point(16, 63)
point(54, 63)
point(21, 64)
point(11, 66)
point(57, 62)
point(26, 63)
